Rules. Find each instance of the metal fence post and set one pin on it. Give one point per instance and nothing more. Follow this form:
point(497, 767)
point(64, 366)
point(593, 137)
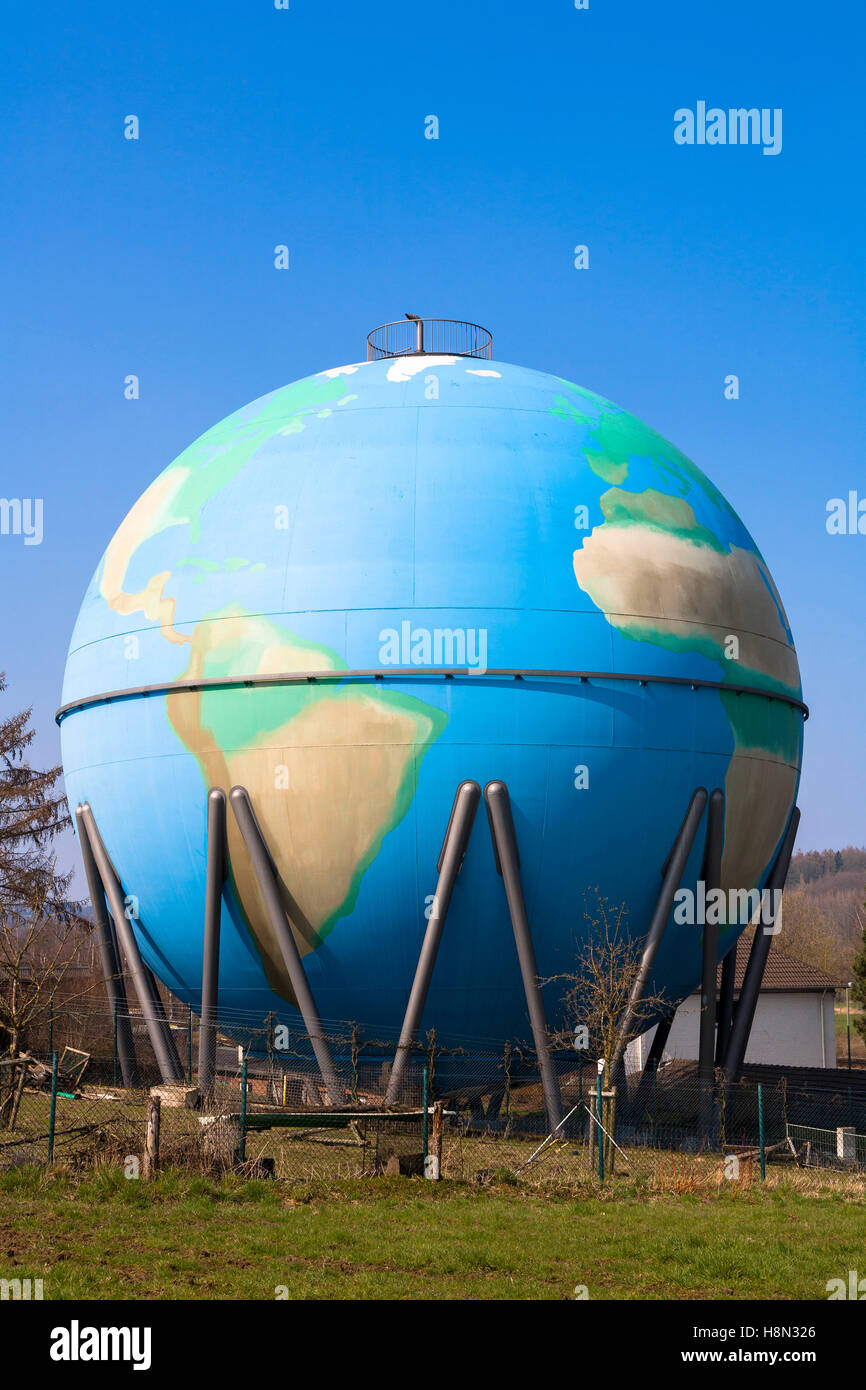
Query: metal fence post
point(431, 1056)
point(599, 1133)
point(114, 1047)
point(51, 1024)
point(426, 1124)
point(655, 1102)
point(189, 1045)
point(761, 1131)
point(243, 1144)
point(355, 1054)
point(52, 1114)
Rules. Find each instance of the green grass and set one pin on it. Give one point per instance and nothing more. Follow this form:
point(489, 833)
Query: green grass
point(858, 1043)
point(187, 1237)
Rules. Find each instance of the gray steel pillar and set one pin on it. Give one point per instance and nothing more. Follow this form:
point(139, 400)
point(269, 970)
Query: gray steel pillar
point(656, 1052)
point(450, 862)
point(674, 869)
point(744, 1014)
point(726, 1005)
point(265, 871)
point(711, 874)
point(659, 1043)
point(215, 874)
point(157, 1028)
point(505, 849)
point(110, 959)
point(168, 1031)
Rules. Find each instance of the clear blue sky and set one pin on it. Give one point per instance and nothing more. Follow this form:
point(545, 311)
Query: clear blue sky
point(306, 127)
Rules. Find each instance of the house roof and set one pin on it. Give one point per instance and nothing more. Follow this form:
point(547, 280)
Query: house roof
point(783, 973)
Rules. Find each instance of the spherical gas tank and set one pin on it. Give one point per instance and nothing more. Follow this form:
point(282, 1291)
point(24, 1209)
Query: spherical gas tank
point(385, 579)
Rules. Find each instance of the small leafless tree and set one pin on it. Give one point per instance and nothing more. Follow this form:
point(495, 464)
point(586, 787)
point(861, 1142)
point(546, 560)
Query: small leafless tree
point(599, 988)
point(38, 956)
point(598, 991)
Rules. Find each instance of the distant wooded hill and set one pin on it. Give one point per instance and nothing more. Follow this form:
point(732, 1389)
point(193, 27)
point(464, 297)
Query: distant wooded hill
point(820, 866)
point(823, 916)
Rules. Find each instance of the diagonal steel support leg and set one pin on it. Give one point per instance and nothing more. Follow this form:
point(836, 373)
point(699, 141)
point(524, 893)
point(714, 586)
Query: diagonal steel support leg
point(673, 870)
point(167, 1029)
point(265, 871)
point(112, 969)
point(450, 862)
point(711, 873)
point(726, 1004)
point(157, 1027)
point(744, 1014)
point(653, 1061)
point(166, 1026)
point(215, 875)
point(505, 849)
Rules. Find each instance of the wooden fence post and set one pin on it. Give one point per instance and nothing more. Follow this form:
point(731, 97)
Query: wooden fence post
point(436, 1151)
point(24, 1060)
point(151, 1138)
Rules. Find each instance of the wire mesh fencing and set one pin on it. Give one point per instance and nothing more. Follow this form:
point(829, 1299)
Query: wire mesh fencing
point(468, 1112)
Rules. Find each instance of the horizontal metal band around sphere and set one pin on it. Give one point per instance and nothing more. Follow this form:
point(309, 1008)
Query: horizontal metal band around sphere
point(403, 673)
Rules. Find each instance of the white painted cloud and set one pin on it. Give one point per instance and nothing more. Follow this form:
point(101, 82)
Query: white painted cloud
point(338, 371)
point(402, 368)
point(472, 371)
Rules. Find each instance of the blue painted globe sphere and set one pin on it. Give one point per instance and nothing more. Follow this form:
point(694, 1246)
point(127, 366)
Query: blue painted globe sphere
point(385, 524)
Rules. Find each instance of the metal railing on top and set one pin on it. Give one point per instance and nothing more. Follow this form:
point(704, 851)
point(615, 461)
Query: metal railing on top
point(412, 336)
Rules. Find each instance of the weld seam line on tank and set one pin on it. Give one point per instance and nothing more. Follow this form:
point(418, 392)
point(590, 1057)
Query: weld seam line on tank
point(684, 622)
point(352, 408)
point(296, 502)
point(429, 673)
point(539, 867)
point(413, 546)
point(497, 748)
point(592, 612)
point(407, 948)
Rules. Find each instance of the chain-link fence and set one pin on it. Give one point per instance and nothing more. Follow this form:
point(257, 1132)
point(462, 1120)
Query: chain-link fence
point(465, 1112)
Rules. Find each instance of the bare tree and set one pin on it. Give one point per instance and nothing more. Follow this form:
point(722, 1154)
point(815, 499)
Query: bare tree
point(37, 952)
point(858, 990)
point(598, 992)
point(600, 986)
point(809, 933)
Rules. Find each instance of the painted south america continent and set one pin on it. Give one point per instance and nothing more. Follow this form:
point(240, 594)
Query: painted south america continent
point(330, 770)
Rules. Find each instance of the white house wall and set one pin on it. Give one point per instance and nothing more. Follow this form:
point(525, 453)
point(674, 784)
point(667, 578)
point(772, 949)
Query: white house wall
point(790, 1029)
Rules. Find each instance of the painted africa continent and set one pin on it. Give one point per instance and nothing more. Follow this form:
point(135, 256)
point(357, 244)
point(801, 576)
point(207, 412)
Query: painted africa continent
point(660, 576)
